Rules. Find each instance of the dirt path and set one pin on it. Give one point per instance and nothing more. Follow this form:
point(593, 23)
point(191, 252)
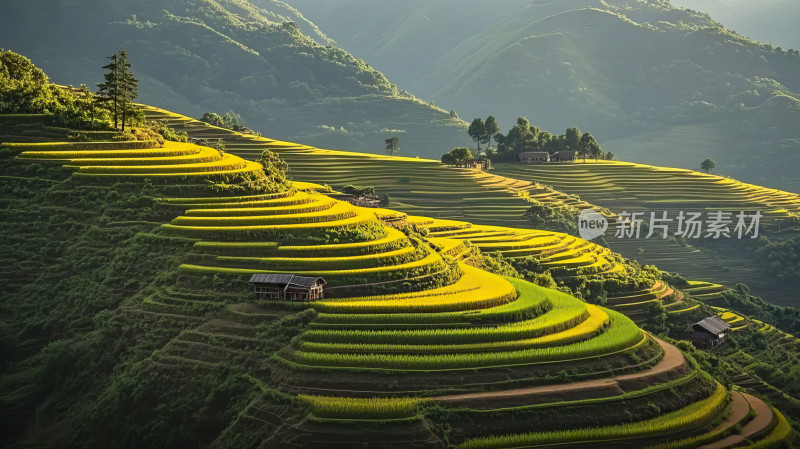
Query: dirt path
point(760, 422)
point(739, 409)
point(596, 388)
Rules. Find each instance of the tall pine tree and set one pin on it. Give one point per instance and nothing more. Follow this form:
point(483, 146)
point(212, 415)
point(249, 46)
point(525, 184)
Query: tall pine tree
point(109, 91)
point(129, 86)
point(120, 87)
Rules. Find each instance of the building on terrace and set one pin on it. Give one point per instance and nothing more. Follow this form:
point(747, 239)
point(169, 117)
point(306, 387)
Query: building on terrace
point(710, 332)
point(480, 163)
point(287, 287)
point(372, 201)
point(534, 157)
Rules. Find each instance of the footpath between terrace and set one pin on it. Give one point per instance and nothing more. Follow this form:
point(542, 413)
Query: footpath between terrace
point(672, 362)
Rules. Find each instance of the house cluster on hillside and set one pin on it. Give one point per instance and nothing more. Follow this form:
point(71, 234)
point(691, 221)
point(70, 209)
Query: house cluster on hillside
point(543, 157)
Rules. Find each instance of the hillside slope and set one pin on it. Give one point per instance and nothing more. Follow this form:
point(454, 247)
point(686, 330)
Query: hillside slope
point(654, 83)
point(422, 345)
point(128, 320)
point(266, 62)
point(428, 188)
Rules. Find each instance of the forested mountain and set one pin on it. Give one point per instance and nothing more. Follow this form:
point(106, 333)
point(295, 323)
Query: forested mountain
point(263, 60)
point(654, 83)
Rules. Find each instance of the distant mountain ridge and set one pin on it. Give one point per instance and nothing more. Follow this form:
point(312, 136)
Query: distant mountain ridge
point(262, 59)
point(653, 82)
point(771, 21)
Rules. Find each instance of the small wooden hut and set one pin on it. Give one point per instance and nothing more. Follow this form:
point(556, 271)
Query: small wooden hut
point(287, 287)
point(710, 332)
point(534, 157)
point(480, 163)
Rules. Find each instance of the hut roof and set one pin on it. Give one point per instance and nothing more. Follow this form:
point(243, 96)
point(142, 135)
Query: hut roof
point(534, 153)
point(714, 325)
point(286, 279)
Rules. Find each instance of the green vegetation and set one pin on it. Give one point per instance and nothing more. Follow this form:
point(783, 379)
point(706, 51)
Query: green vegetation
point(393, 146)
point(230, 120)
point(119, 89)
point(363, 408)
point(458, 157)
point(555, 217)
point(26, 89)
point(781, 258)
point(708, 165)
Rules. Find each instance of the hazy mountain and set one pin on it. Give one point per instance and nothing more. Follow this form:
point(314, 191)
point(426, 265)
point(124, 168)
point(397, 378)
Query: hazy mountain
point(262, 59)
point(408, 38)
point(772, 21)
point(653, 82)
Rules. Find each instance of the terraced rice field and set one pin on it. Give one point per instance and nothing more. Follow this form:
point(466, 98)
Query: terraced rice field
point(479, 208)
point(427, 188)
point(451, 329)
point(415, 186)
point(623, 186)
point(173, 160)
point(552, 249)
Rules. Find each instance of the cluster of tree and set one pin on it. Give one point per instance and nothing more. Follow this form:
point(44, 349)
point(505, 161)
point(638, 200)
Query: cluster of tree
point(119, 89)
point(483, 131)
point(708, 165)
point(26, 89)
point(230, 120)
point(167, 133)
point(553, 217)
point(358, 190)
point(275, 171)
point(524, 137)
point(458, 157)
point(781, 258)
point(393, 146)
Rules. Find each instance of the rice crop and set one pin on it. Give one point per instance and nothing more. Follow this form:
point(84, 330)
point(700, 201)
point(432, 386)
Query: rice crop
point(561, 317)
point(396, 257)
point(529, 302)
point(205, 201)
point(339, 211)
point(88, 146)
point(622, 334)
point(305, 207)
point(207, 171)
point(595, 323)
point(108, 154)
point(251, 232)
point(430, 261)
point(362, 408)
point(688, 417)
point(478, 298)
point(226, 163)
